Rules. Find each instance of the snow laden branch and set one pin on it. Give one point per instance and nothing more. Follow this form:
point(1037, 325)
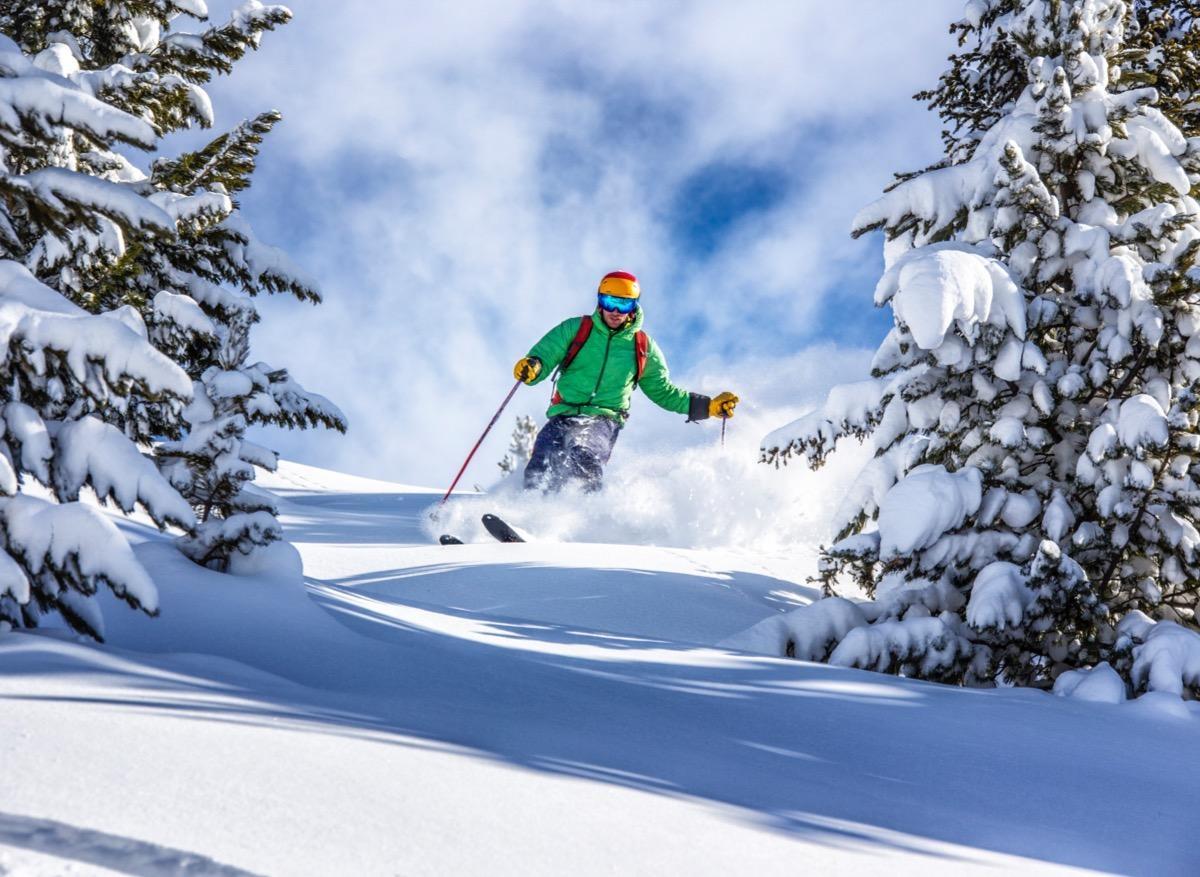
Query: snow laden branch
point(945, 298)
point(60, 555)
point(43, 335)
point(1034, 410)
point(34, 99)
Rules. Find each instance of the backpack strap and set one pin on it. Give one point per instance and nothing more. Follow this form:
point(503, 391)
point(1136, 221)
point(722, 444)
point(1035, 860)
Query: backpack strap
point(576, 345)
point(580, 339)
point(641, 352)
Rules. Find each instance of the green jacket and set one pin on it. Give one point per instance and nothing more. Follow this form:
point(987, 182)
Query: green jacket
point(600, 379)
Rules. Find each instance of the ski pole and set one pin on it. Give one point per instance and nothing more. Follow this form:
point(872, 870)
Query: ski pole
point(724, 420)
point(467, 463)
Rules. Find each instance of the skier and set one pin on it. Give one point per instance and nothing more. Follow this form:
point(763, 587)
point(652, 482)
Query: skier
point(600, 358)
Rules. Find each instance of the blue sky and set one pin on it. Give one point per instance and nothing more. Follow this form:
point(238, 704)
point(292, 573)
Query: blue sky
point(459, 177)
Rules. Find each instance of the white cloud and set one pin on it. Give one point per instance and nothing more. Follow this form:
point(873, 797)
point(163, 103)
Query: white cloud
point(459, 175)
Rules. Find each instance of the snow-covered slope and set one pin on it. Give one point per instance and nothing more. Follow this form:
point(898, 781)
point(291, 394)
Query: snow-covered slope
point(537, 708)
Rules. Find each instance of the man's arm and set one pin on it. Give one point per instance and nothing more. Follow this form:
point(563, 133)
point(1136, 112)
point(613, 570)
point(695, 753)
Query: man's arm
point(553, 346)
point(656, 384)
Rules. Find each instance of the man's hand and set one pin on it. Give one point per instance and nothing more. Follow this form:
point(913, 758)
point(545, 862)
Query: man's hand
point(722, 405)
point(526, 370)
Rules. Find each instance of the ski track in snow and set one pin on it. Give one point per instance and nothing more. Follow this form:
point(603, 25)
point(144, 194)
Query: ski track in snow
point(531, 708)
point(108, 852)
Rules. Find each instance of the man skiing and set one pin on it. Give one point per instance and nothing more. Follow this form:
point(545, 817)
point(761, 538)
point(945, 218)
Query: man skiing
point(600, 358)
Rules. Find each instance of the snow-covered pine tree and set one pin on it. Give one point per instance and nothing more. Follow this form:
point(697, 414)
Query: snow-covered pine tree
point(520, 446)
point(192, 291)
point(203, 314)
point(1032, 504)
point(213, 464)
point(64, 371)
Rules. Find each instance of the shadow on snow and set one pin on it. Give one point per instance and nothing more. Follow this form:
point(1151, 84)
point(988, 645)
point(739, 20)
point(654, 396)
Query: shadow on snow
point(842, 758)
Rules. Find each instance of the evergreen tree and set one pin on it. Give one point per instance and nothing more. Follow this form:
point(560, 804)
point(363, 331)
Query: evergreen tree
point(1031, 508)
point(520, 446)
point(100, 264)
point(192, 292)
point(64, 371)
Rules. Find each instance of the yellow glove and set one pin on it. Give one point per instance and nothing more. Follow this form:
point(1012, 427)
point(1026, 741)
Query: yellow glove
point(527, 369)
point(722, 405)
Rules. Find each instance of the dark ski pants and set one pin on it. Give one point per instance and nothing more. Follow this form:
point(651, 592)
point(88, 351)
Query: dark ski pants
point(571, 449)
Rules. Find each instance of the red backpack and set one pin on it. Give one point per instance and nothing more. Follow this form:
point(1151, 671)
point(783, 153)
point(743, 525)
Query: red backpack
point(641, 350)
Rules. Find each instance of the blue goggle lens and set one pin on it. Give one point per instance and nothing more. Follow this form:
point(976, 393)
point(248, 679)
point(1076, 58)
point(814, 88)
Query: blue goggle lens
point(618, 304)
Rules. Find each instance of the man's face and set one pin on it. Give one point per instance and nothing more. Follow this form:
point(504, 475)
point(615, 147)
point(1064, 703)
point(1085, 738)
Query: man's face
point(614, 319)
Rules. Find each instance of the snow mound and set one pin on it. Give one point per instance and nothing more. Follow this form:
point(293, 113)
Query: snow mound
point(1100, 684)
point(1168, 659)
point(278, 559)
point(806, 633)
point(291, 476)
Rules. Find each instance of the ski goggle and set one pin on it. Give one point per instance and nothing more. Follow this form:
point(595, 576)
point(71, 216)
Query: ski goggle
point(618, 304)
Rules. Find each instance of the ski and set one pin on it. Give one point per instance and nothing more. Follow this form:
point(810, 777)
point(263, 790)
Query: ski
point(447, 539)
point(500, 530)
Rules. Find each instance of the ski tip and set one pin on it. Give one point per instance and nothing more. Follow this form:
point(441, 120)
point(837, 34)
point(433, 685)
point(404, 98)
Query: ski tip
point(447, 539)
point(500, 530)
